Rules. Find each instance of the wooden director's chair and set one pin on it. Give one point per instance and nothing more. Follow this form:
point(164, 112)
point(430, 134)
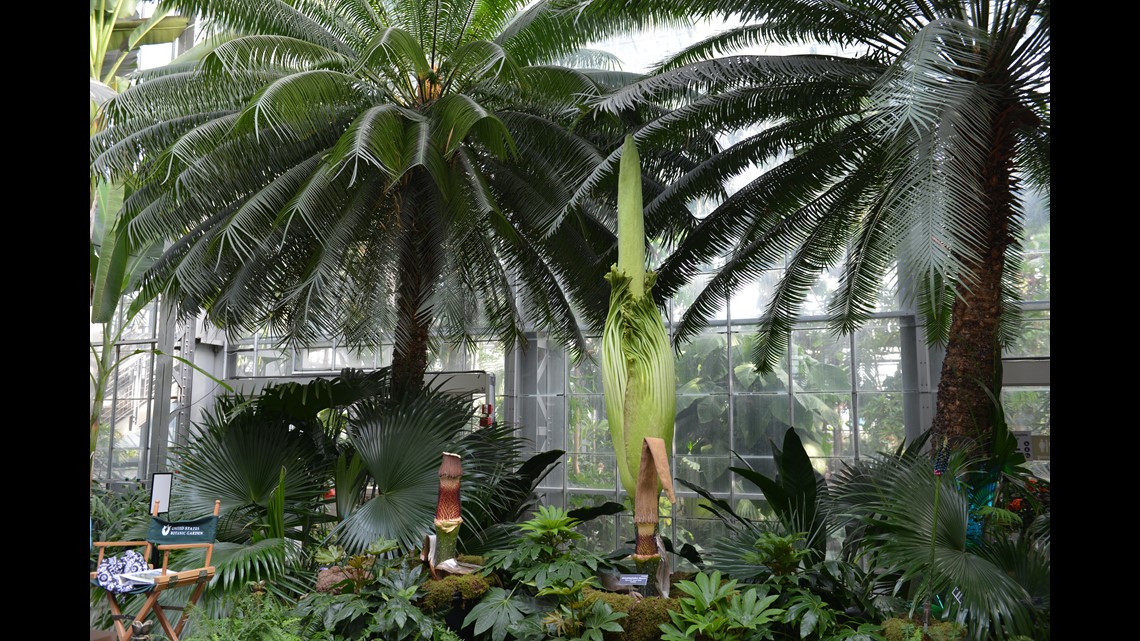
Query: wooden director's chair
point(164, 537)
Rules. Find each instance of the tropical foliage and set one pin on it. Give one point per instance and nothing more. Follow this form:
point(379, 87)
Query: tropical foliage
point(347, 168)
point(356, 168)
point(116, 35)
point(273, 459)
point(913, 535)
point(912, 153)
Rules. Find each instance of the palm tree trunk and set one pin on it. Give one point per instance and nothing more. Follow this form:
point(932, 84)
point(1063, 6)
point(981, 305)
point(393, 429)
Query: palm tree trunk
point(419, 260)
point(964, 412)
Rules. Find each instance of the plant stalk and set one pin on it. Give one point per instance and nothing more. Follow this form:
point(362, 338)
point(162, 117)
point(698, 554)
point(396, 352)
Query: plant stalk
point(448, 516)
point(925, 592)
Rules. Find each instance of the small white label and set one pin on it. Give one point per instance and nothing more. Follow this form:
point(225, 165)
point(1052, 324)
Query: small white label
point(633, 579)
point(1024, 444)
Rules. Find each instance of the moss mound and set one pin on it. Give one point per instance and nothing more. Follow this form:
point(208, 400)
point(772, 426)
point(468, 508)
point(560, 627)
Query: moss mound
point(899, 629)
point(643, 617)
point(439, 592)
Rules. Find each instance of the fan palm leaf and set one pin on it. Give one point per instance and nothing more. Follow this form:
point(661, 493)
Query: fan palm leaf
point(893, 500)
point(400, 445)
point(239, 462)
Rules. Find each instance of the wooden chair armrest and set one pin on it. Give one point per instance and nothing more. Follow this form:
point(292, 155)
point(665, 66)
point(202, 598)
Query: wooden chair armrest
point(173, 579)
point(111, 544)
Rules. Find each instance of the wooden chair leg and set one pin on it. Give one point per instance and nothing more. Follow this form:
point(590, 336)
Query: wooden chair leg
point(165, 623)
point(121, 631)
point(186, 609)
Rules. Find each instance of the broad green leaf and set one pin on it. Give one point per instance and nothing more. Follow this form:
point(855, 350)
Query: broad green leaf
point(110, 271)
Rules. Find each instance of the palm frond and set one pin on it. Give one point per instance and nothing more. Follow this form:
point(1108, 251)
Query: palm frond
point(725, 42)
point(274, 17)
point(117, 155)
point(894, 497)
point(466, 121)
point(239, 563)
point(300, 103)
point(699, 79)
point(548, 30)
point(774, 213)
point(400, 55)
point(269, 53)
point(932, 111)
point(176, 95)
point(239, 464)
point(474, 61)
point(589, 59)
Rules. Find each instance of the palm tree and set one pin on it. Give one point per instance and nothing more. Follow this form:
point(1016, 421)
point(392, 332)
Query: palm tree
point(912, 153)
point(336, 169)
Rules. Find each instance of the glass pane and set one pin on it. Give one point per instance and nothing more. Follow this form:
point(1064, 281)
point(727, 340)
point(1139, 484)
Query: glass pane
point(542, 421)
point(1026, 409)
point(1035, 272)
point(591, 471)
point(242, 363)
point(626, 533)
point(1035, 244)
point(768, 283)
point(698, 532)
point(319, 359)
point(764, 465)
point(823, 419)
point(878, 354)
point(746, 303)
point(274, 363)
point(701, 425)
point(125, 465)
point(687, 294)
point(443, 357)
point(1034, 340)
point(586, 377)
point(818, 295)
point(881, 427)
point(758, 420)
point(820, 360)
point(701, 367)
point(589, 428)
point(550, 366)
point(830, 431)
point(487, 356)
point(362, 358)
point(384, 358)
point(745, 378)
point(708, 472)
point(599, 532)
point(888, 292)
point(142, 326)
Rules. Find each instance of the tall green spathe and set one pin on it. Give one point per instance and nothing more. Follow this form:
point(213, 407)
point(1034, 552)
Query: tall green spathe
point(637, 360)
